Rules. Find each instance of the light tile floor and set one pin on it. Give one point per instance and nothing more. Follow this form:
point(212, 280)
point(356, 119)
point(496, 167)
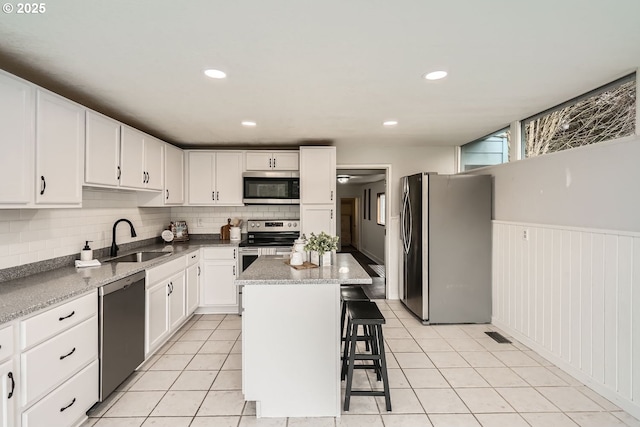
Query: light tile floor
point(440, 376)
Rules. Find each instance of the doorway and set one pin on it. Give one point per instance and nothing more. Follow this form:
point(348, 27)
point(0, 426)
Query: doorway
point(349, 222)
point(361, 222)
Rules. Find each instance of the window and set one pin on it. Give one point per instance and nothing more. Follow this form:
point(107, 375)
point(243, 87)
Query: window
point(381, 219)
point(603, 114)
point(490, 150)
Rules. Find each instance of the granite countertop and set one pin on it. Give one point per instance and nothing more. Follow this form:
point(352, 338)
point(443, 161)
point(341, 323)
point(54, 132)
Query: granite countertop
point(24, 296)
point(272, 270)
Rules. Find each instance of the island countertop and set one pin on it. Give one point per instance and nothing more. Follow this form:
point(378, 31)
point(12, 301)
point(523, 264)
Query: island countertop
point(272, 270)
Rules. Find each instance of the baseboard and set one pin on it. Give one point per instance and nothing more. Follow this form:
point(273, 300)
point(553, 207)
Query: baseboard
point(372, 256)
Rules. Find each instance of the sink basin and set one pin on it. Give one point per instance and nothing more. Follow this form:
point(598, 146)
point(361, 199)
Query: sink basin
point(139, 257)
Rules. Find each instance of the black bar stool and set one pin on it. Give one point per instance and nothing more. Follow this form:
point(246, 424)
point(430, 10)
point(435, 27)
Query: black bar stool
point(367, 314)
point(350, 293)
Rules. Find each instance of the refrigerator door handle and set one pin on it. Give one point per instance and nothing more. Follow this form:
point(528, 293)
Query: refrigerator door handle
point(408, 244)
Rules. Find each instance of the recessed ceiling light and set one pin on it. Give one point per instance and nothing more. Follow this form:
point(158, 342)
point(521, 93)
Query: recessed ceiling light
point(215, 74)
point(435, 75)
point(390, 123)
point(248, 124)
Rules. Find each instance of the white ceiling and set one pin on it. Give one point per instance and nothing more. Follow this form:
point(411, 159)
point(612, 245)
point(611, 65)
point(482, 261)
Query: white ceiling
point(322, 70)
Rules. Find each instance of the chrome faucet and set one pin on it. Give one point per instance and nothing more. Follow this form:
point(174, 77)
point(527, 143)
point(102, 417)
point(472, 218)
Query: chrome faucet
point(114, 247)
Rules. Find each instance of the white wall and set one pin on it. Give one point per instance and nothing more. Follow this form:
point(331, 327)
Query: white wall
point(31, 235)
point(572, 290)
point(372, 237)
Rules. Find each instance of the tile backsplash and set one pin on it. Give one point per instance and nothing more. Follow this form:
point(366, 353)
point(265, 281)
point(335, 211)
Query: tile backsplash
point(32, 235)
point(205, 220)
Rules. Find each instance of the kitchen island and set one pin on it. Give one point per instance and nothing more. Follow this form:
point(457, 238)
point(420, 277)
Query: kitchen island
point(291, 335)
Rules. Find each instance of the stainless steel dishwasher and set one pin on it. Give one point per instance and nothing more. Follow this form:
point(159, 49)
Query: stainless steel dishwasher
point(121, 324)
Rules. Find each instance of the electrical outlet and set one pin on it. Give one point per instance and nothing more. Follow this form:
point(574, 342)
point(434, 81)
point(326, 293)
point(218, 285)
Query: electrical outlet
point(525, 234)
point(200, 223)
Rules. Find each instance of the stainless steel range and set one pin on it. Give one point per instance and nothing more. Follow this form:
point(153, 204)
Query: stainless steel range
point(266, 237)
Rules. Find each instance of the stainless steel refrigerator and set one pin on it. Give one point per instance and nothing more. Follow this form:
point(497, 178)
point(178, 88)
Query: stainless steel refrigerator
point(446, 242)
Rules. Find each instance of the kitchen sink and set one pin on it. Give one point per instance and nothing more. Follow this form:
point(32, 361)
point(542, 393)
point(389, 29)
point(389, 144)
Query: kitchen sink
point(139, 257)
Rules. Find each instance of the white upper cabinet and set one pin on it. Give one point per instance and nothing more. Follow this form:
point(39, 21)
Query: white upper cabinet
point(102, 151)
point(215, 178)
point(272, 160)
point(141, 160)
point(60, 136)
point(317, 175)
point(154, 163)
point(132, 158)
point(173, 175)
point(229, 178)
point(17, 121)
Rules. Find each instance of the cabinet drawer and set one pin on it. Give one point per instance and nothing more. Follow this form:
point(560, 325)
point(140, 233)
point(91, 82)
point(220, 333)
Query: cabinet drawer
point(220, 253)
point(68, 403)
point(6, 342)
point(55, 320)
point(193, 258)
point(47, 365)
point(156, 274)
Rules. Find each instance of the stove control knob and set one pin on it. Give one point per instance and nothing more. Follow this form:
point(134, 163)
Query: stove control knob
point(258, 224)
point(295, 224)
point(289, 225)
point(253, 225)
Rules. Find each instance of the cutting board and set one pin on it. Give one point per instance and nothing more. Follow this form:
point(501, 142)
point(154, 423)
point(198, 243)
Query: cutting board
point(225, 231)
point(304, 265)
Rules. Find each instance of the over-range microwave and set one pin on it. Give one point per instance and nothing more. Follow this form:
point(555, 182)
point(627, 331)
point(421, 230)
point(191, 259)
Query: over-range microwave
point(268, 188)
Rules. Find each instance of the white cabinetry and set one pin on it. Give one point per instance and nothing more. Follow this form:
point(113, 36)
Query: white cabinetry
point(102, 151)
point(272, 160)
point(141, 160)
point(59, 363)
point(173, 175)
point(192, 292)
point(218, 292)
point(60, 136)
point(8, 378)
point(318, 190)
point(215, 178)
point(17, 121)
point(165, 302)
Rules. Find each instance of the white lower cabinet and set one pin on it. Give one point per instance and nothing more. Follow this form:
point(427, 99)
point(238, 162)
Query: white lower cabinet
point(165, 302)
point(58, 355)
point(7, 394)
point(8, 378)
point(68, 403)
point(50, 363)
point(192, 291)
point(218, 292)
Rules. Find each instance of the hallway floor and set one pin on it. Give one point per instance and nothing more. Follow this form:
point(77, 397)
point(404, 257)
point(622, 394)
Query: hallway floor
point(378, 289)
point(440, 376)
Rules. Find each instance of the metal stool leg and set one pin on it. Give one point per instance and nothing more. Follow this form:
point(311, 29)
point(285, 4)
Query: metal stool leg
point(353, 332)
point(345, 352)
point(383, 366)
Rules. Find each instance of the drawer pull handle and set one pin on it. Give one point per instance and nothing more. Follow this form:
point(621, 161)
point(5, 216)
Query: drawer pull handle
point(66, 317)
point(13, 385)
point(69, 405)
point(68, 354)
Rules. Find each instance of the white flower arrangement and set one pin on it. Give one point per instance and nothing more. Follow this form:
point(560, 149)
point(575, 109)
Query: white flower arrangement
point(322, 243)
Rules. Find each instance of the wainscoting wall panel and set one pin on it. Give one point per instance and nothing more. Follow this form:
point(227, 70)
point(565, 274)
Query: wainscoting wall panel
point(573, 295)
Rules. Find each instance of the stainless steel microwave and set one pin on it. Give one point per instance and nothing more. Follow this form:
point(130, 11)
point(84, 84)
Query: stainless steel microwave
point(269, 188)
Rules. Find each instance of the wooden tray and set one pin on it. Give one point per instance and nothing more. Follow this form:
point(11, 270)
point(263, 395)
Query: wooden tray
point(305, 265)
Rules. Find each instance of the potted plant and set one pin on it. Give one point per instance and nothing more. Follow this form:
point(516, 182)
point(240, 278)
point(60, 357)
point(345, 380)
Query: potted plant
point(322, 244)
